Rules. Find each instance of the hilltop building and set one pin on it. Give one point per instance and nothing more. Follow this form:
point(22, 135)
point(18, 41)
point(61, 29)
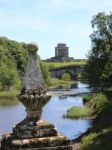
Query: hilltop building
point(61, 54)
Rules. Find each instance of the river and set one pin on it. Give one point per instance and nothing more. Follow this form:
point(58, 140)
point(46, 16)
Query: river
point(52, 112)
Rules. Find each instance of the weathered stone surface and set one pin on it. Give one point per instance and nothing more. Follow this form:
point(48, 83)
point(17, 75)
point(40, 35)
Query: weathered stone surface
point(59, 141)
point(39, 129)
point(33, 77)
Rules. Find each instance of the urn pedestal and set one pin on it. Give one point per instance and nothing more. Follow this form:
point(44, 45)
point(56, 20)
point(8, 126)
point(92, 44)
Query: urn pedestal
point(33, 133)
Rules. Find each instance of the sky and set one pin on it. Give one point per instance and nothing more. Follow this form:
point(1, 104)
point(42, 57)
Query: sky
point(48, 22)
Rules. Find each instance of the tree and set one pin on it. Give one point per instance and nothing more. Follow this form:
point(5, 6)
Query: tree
point(99, 59)
point(13, 60)
point(15, 51)
point(45, 72)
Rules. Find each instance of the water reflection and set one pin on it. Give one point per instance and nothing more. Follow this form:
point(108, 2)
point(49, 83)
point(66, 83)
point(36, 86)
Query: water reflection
point(62, 97)
point(9, 116)
point(8, 102)
point(53, 112)
point(66, 87)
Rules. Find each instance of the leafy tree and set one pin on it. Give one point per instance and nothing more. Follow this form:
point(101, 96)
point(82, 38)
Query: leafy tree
point(45, 72)
point(100, 57)
point(15, 51)
point(8, 75)
point(13, 60)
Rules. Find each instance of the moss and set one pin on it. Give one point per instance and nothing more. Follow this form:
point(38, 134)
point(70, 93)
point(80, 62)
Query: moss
point(32, 47)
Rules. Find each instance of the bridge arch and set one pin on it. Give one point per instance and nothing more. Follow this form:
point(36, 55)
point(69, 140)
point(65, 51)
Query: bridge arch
point(73, 70)
point(72, 76)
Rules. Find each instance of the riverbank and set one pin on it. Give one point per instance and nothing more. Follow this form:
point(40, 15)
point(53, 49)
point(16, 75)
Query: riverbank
point(99, 137)
point(54, 86)
point(70, 128)
point(9, 98)
point(61, 84)
point(9, 94)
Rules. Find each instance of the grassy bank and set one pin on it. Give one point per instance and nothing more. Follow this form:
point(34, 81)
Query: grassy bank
point(57, 83)
point(11, 94)
point(8, 98)
point(8, 102)
point(100, 136)
point(78, 112)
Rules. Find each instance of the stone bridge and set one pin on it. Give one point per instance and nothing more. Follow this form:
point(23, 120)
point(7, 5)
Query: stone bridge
point(73, 70)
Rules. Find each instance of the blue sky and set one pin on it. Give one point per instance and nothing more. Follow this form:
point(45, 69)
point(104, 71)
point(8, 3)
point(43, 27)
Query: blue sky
point(48, 22)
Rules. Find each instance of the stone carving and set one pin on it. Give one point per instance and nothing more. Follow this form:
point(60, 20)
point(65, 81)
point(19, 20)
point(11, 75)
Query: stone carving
point(33, 133)
point(33, 94)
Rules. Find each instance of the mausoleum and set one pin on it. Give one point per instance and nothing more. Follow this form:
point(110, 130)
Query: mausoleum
point(61, 54)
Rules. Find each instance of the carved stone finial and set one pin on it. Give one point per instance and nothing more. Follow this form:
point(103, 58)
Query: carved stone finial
point(33, 78)
point(33, 94)
point(32, 47)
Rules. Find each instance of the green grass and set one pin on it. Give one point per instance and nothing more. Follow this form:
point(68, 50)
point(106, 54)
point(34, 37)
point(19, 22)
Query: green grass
point(98, 102)
point(8, 98)
point(60, 83)
point(100, 137)
point(87, 98)
point(11, 94)
point(97, 140)
point(78, 112)
point(88, 141)
point(59, 64)
point(8, 102)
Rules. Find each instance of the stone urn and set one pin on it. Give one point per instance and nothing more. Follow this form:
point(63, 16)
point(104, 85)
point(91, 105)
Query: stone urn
point(33, 94)
point(33, 133)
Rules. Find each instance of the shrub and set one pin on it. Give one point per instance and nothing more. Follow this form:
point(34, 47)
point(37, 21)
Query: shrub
point(87, 98)
point(45, 72)
point(88, 141)
point(66, 77)
point(98, 102)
